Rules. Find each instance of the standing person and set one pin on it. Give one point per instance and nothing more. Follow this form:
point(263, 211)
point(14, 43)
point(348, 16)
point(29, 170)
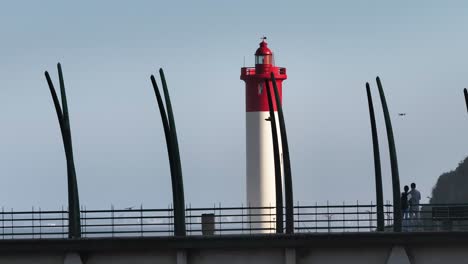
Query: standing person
point(405, 206)
point(414, 201)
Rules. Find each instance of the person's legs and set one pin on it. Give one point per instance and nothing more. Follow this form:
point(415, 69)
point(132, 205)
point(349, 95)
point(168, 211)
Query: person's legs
point(410, 220)
point(405, 216)
point(416, 215)
point(411, 211)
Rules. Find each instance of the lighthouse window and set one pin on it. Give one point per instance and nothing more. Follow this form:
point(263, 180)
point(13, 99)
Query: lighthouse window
point(263, 59)
point(259, 59)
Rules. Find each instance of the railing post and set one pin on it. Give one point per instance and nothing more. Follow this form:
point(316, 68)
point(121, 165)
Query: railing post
point(141, 219)
point(270, 220)
point(112, 220)
point(85, 218)
point(344, 217)
point(249, 217)
point(32, 213)
point(63, 224)
point(172, 217)
point(12, 224)
point(3, 223)
point(40, 223)
point(188, 215)
point(316, 216)
point(357, 214)
point(216, 217)
point(82, 217)
point(298, 214)
point(220, 219)
point(242, 218)
point(328, 217)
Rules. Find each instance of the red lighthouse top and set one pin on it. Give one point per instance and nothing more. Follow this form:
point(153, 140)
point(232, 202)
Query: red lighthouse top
point(264, 65)
point(263, 49)
point(254, 77)
point(263, 55)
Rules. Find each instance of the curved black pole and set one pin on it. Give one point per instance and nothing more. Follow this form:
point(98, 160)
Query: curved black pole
point(397, 215)
point(288, 188)
point(64, 122)
point(276, 155)
point(466, 98)
point(378, 171)
point(179, 208)
point(167, 133)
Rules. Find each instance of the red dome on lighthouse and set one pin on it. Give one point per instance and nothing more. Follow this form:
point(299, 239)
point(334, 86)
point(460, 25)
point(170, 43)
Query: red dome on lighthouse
point(263, 49)
point(263, 55)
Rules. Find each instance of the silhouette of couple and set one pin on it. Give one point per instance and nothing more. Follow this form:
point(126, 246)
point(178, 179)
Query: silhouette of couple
point(410, 202)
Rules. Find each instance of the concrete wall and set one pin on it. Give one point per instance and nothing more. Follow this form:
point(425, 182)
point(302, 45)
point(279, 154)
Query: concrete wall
point(342, 255)
point(421, 248)
point(244, 256)
point(159, 257)
point(31, 258)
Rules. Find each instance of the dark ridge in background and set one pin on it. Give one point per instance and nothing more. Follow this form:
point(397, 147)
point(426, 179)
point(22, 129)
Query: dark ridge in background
point(451, 187)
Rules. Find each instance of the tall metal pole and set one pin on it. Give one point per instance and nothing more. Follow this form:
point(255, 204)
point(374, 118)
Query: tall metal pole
point(466, 98)
point(397, 215)
point(179, 208)
point(288, 188)
point(74, 224)
point(276, 155)
point(378, 171)
point(167, 134)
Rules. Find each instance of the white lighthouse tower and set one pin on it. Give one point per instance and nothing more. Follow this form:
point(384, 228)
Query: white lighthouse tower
point(259, 144)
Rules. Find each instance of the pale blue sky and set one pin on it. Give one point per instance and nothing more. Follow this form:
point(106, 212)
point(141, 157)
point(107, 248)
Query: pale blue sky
point(108, 50)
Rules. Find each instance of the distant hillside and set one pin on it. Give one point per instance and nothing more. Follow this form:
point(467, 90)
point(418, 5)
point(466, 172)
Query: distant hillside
point(452, 187)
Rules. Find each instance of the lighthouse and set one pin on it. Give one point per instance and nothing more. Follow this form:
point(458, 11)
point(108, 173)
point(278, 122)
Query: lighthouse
point(260, 171)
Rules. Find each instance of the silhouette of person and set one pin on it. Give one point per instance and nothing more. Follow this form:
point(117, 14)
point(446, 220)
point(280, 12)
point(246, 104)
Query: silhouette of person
point(404, 202)
point(405, 206)
point(415, 197)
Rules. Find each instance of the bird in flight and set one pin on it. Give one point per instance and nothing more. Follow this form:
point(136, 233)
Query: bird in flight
point(401, 114)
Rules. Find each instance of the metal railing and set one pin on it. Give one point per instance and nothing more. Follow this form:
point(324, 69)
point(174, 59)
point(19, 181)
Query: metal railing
point(251, 70)
point(218, 220)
